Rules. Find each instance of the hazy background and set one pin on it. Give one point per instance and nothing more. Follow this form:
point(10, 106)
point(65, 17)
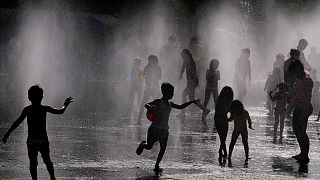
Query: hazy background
point(85, 50)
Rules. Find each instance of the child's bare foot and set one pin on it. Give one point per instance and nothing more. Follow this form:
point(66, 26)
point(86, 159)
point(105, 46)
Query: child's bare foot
point(157, 169)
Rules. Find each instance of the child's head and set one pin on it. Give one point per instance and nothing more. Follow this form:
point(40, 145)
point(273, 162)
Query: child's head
point(186, 54)
point(294, 53)
point(303, 43)
point(35, 94)
point(152, 59)
point(167, 90)
point(236, 107)
point(280, 57)
point(172, 39)
point(137, 62)
point(245, 52)
point(214, 64)
point(226, 93)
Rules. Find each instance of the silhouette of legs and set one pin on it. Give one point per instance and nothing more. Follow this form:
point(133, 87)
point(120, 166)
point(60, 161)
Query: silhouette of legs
point(154, 135)
point(244, 136)
point(234, 137)
point(222, 129)
point(276, 123)
point(33, 158)
point(208, 92)
point(299, 124)
point(45, 153)
point(43, 148)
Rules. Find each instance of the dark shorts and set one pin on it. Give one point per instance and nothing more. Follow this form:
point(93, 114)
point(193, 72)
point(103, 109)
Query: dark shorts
point(155, 134)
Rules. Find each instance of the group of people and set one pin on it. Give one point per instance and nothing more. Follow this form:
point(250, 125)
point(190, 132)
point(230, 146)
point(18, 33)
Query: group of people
point(293, 95)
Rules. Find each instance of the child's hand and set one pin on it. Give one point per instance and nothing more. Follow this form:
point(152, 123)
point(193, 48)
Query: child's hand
point(250, 127)
point(68, 101)
point(4, 139)
point(196, 101)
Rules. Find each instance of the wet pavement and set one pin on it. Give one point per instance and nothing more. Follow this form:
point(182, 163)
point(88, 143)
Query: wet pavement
point(97, 146)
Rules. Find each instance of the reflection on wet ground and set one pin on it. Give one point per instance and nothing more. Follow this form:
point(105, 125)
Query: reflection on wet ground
point(100, 147)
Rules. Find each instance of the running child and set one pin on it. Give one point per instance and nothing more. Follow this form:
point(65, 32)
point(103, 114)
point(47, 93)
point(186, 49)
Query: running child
point(152, 77)
point(37, 140)
point(159, 129)
point(240, 117)
point(212, 76)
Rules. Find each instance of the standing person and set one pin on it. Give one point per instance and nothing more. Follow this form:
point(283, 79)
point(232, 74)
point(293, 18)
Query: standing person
point(302, 45)
point(289, 78)
point(152, 76)
point(212, 76)
point(220, 119)
point(37, 140)
point(136, 80)
point(169, 59)
point(273, 80)
point(199, 54)
point(300, 97)
point(159, 129)
point(192, 80)
point(240, 117)
point(242, 72)
point(280, 99)
point(279, 63)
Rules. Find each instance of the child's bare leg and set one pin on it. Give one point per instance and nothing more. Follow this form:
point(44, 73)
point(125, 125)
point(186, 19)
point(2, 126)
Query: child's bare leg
point(45, 153)
point(281, 125)
point(143, 102)
point(234, 137)
point(163, 145)
point(244, 136)
point(206, 98)
point(33, 158)
point(275, 127)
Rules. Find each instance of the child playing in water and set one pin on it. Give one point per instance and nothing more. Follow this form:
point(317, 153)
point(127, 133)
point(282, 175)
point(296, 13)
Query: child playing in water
point(240, 117)
point(220, 119)
point(212, 76)
point(280, 99)
point(159, 129)
point(273, 80)
point(152, 77)
point(37, 134)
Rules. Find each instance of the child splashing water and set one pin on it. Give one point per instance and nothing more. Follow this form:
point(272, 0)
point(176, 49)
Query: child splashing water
point(159, 129)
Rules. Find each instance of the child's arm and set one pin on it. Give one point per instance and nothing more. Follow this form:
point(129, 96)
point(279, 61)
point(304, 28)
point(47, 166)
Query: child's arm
point(15, 124)
point(267, 83)
point(60, 111)
point(249, 120)
point(182, 106)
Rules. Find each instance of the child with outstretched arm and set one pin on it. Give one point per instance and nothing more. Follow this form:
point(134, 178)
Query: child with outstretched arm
point(159, 129)
point(37, 140)
point(240, 117)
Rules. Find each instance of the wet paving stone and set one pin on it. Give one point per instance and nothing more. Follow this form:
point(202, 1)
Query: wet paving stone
point(102, 147)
